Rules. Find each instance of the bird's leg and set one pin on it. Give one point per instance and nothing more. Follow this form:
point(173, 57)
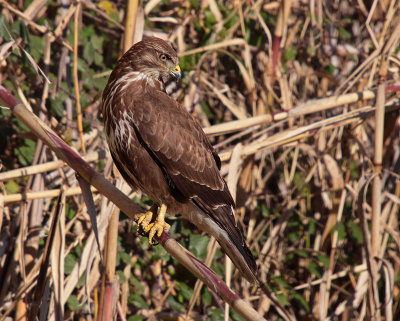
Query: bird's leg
point(159, 225)
point(156, 227)
point(144, 219)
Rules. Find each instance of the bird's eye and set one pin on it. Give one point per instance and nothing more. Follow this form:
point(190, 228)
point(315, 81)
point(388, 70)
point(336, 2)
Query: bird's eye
point(163, 57)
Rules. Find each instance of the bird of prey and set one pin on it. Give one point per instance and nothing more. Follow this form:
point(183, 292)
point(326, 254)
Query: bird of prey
point(162, 150)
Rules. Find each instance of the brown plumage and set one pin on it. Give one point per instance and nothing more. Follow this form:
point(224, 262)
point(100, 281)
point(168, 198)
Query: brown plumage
point(161, 149)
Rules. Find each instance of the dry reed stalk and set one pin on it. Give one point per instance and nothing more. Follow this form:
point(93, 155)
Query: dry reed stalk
point(222, 44)
point(357, 269)
point(285, 137)
point(378, 156)
point(240, 114)
point(76, 79)
point(280, 31)
point(34, 8)
point(376, 236)
point(57, 260)
point(90, 5)
point(41, 281)
point(311, 106)
point(110, 281)
point(382, 38)
point(235, 167)
point(64, 23)
point(44, 167)
point(25, 17)
point(12, 198)
point(249, 67)
point(130, 22)
point(373, 298)
point(150, 6)
point(327, 277)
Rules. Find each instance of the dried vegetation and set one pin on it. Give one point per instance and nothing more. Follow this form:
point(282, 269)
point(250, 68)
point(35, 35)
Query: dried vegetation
point(301, 100)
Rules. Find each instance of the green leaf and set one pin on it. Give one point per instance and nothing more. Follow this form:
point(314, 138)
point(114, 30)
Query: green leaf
point(69, 263)
point(97, 42)
point(160, 253)
point(311, 226)
point(36, 46)
point(194, 4)
point(98, 59)
point(88, 53)
point(86, 34)
point(232, 21)
point(125, 257)
point(293, 236)
point(121, 276)
point(186, 291)
point(78, 251)
point(206, 109)
point(175, 305)
point(25, 153)
point(206, 297)
point(198, 245)
point(301, 253)
point(290, 53)
point(137, 300)
point(99, 83)
point(139, 287)
point(56, 105)
point(282, 299)
point(236, 316)
point(264, 210)
point(136, 317)
point(187, 62)
point(324, 260)
point(346, 35)
point(341, 231)
point(5, 29)
point(314, 269)
point(73, 303)
point(83, 66)
point(69, 212)
point(354, 169)
point(144, 243)
point(356, 232)
point(281, 282)
point(302, 301)
point(12, 187)
point(330, 69)
point(215, 315)
point(210, 18)
point(22, 31)
point(81, 281)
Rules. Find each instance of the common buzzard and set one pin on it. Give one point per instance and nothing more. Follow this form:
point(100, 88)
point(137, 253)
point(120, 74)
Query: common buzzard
point(161, 149)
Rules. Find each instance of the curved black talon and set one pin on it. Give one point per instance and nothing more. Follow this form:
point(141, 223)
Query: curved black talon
point(146, 234)
point(140, 231)
point(154, 242)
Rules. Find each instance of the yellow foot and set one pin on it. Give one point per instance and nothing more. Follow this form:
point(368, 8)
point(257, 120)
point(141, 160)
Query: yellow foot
point(155, 228)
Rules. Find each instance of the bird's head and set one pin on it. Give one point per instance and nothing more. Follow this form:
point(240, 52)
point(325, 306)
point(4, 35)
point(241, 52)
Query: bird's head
point(154, 57)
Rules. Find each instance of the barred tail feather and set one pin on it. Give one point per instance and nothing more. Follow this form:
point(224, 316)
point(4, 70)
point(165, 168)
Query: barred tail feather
point(237, 250)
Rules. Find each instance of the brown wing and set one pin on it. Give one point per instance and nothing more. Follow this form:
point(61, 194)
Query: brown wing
point(179, 146)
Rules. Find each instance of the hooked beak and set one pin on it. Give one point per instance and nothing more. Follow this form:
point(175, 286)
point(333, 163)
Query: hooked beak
point(177, 73)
